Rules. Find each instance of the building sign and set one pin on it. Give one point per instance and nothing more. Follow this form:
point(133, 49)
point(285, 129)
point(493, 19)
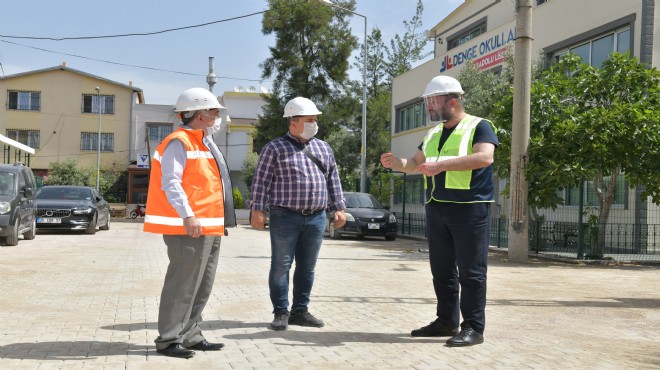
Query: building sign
point(486, 54)
point(143, 161)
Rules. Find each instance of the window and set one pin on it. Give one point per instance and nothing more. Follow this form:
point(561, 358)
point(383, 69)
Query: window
point(411, 117)
point(27, 137)
point(596, 51)
point(539, 2)
point(467, 35)
point(571, 195)
point(24, 100)
point(414, 194)
point(158, 131)
point(92, 102)
point(89, 141)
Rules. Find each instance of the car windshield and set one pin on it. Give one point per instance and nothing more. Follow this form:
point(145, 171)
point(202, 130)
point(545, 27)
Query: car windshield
point(6, 183)
point(65, 193)
point(362, 200)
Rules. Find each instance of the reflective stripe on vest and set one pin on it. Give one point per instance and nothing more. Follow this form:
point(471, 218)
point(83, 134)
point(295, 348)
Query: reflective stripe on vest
point(178, 221)
point(458, 144)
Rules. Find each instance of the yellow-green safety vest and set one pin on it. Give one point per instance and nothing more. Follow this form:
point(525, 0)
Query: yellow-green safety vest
point(458, 144)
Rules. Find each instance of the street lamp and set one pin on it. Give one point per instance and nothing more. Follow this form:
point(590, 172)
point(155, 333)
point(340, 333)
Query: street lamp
point(98, 152)
point(363, 149)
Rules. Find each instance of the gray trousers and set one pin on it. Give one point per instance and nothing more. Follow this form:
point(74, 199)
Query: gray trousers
point(187, 287)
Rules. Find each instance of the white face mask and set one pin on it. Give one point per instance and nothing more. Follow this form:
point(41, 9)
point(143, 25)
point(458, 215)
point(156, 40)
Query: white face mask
point(215, 128)
point(310, 129)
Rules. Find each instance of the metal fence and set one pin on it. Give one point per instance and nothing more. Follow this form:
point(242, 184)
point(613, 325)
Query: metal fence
point(572, 230)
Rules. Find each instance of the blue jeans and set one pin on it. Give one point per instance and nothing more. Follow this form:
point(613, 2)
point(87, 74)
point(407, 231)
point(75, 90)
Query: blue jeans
point(293, 236)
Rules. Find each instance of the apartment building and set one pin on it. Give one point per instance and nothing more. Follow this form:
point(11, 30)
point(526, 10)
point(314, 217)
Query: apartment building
point(59, 112)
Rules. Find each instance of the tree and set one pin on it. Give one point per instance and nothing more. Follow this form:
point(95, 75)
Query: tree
point(593, 124)
point(68, 173)
point(112, 180)
point(310, 59)
point(377, 73)
point(249, 165)
point(407, 49)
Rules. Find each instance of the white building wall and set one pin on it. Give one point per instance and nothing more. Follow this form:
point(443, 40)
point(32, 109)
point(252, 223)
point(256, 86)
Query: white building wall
point(149, 113)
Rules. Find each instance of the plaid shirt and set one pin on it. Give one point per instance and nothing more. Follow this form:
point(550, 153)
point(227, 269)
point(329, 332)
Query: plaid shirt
point(285, 177)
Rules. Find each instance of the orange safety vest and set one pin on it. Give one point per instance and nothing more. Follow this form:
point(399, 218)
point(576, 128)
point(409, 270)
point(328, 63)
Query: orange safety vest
point(201, 183)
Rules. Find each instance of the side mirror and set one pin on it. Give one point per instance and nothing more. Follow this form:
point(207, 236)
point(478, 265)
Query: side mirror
point(99, 198)
point(387, 207)
point(29, 192)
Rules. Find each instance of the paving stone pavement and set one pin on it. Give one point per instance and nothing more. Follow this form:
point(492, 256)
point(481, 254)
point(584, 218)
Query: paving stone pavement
point(71, 301)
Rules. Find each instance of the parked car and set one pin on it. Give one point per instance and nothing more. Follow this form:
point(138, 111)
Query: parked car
point(365, 216)
point(69, 207)
point(18, 211)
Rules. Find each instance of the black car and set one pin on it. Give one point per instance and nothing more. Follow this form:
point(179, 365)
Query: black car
point(365, 216)
point(17, 207)
point(64, 207)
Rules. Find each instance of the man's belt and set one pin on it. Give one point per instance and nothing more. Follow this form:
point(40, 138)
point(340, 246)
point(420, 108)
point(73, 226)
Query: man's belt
point(304, 212)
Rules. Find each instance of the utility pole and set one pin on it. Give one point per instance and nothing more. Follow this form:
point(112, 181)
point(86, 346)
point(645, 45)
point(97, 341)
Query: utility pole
point(522, 74)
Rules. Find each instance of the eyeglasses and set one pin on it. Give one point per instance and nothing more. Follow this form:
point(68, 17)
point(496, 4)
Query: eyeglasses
point(215, 114)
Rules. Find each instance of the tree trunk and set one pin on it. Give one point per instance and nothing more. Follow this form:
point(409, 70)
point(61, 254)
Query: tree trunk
point(605, 196)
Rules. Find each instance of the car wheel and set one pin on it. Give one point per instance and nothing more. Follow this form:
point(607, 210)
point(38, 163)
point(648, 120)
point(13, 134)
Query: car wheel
point(12, 238)
point(30, 234)
point(107, 224)
point(390, 238)
point(91, 229)
point(332, 232)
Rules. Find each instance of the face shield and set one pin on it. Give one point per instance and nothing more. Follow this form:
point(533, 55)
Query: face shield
point(436, 109)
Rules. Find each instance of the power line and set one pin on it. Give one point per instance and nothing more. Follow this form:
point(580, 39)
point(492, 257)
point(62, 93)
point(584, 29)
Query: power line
point(130, 65)
point(131, 34)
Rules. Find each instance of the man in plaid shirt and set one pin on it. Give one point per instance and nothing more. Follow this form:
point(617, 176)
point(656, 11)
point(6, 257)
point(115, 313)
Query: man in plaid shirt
point(296, 176)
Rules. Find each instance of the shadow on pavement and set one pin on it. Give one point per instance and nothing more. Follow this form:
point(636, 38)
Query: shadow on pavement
point(71, 350)
point(331, 338)
point(206, 325)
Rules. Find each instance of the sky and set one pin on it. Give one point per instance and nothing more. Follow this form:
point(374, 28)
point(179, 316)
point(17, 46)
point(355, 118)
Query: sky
point(175, 60)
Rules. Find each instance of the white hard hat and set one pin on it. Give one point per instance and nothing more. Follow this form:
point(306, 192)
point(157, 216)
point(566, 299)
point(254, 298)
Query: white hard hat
point(443, 85)
point(197, 98)
point(300, 107)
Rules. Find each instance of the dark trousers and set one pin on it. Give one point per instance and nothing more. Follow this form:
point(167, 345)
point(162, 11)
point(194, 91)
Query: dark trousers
point(458, 236)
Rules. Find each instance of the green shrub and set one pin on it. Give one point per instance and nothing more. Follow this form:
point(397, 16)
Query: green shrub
point(238, 198)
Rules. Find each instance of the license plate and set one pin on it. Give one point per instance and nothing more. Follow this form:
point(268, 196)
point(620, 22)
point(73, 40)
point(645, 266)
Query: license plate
point(49, 220)
point(374, 226)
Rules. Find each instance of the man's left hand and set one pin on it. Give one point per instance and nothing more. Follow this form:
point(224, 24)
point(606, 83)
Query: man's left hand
point(340, 218)
point(429, 168)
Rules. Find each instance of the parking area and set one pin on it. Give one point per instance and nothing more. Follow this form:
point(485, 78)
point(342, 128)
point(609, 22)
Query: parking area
point(76, 301)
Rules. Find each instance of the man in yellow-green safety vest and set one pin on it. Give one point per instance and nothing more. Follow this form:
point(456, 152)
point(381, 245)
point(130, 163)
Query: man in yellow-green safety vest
point(456, 159)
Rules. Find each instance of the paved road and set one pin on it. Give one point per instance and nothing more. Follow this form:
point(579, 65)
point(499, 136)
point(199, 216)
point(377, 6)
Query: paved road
point(72, 301)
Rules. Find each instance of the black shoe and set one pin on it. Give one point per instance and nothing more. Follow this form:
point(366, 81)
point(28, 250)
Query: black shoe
point(280, 321)
point(304, 318)
point(434, 329)
point(206, 346)
point(466, 337)
point(176, 350)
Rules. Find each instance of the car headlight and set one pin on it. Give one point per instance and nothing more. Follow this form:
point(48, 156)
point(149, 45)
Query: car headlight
point(83, 211)
point(349, 217)
point(5, 207)
point(392, 218)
